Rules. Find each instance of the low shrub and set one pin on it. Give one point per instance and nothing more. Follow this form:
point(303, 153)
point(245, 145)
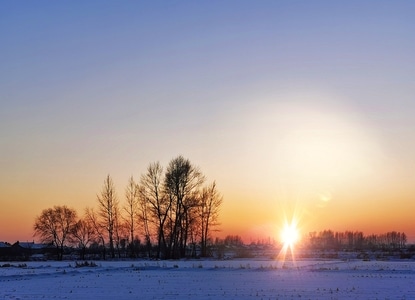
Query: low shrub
point(85, 264)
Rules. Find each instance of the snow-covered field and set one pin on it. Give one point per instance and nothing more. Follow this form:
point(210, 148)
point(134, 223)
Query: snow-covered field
point(210, 279)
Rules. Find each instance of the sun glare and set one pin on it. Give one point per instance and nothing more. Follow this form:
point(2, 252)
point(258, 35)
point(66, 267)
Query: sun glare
point(289, 235)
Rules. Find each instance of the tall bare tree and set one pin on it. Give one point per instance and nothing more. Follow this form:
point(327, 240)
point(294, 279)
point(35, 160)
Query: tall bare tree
point(181, 184)
point(54, 225)
point(131, 208)
point(151, 192)
point(210, 202)
point(120, 232)
point(108, 210)
point(143, 214)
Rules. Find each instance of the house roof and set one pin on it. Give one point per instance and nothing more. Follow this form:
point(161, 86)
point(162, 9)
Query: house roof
point(4, 245)
point(31, 245)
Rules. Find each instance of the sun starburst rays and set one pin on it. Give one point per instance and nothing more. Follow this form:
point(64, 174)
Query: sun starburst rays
point(289, 238)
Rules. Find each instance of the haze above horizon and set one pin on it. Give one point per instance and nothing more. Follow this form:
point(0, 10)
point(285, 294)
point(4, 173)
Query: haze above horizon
point(299, 108)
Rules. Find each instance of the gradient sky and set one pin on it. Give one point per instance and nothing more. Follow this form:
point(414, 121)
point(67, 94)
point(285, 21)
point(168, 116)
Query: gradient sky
point(293, 107)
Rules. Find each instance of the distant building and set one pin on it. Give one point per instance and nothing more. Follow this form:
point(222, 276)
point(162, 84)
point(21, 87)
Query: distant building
point(5, 249)
point(4, 245)
point(23, 251)
point(31, 245)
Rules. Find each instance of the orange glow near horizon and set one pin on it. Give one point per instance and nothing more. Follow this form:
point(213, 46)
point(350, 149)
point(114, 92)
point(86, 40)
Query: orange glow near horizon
point(256, 224)
point(314, 165)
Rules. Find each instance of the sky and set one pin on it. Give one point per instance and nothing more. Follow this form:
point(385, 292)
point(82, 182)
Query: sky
point(297, 109)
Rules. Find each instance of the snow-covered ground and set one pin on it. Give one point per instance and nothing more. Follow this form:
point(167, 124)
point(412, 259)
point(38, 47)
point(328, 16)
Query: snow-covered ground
point(210, 279)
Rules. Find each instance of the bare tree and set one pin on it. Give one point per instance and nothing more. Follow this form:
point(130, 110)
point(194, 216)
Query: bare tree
point(131, 207)
point(143, 214)
point(83, 233)
point(182, 181)
point(107, 210)
point(403, 240)
point(356, 240)
point(54, 225)
point(151, 192)
point(210, 202)
point(120, 231)
point(92, 217)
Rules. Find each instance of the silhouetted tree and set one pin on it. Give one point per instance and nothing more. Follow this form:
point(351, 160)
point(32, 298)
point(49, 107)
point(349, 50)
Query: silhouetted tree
point(108, 210)
point(356, 240)
point(83, 233)
point(209, 205)
point(403, 240)
point(151, 193)
point(54, 225)
point(130, 208)
point(144, 218)
point(233, 240)
point(120, 230)
point(181, 184)
point(99, 229)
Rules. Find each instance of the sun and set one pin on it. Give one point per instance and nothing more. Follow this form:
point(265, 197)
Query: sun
point(289, 235)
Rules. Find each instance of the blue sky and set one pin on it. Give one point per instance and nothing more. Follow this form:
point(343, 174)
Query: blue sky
point(89, 88)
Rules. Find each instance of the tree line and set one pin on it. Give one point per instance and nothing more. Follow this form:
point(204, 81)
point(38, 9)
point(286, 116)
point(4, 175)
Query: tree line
point(353, 240)
point(173, 211)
